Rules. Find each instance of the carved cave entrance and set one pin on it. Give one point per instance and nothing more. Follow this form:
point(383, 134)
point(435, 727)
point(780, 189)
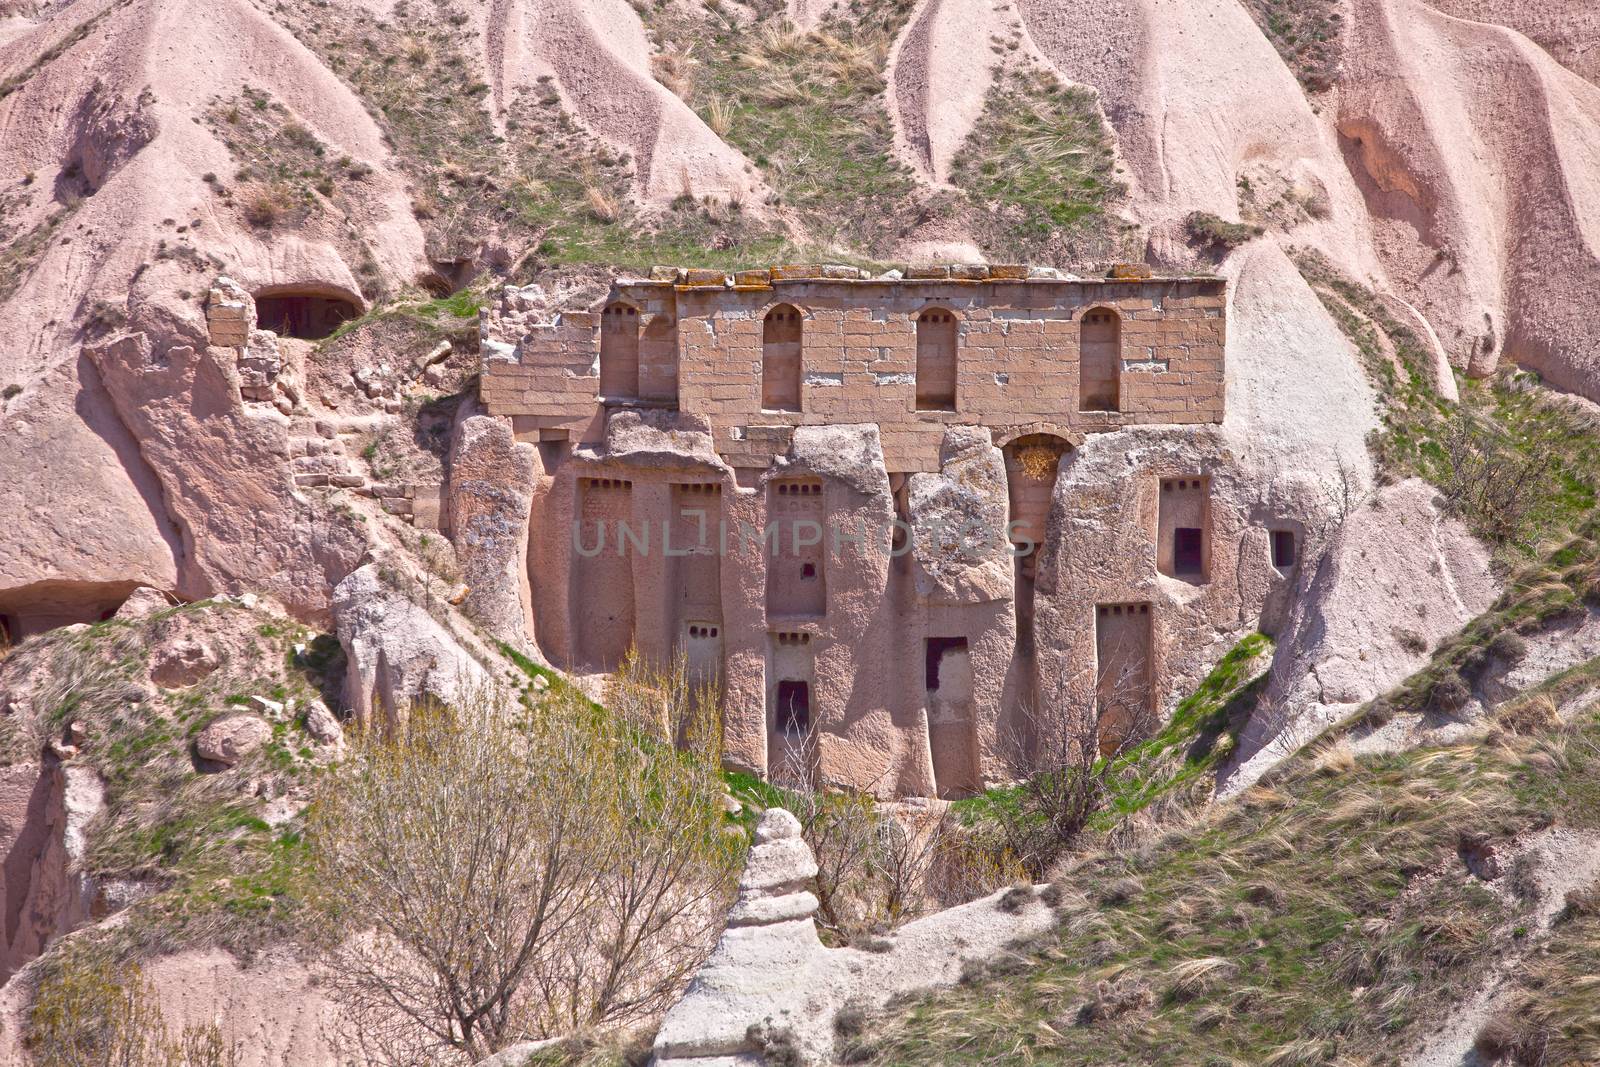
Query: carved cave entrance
point(310, 315)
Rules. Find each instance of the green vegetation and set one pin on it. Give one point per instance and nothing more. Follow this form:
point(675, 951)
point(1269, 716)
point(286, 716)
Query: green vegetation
point(91, 1009)
point(1207, 229)
point(805, 106)
point(1306, 34)
point(576, 195)
point(222, 873)
point(1040, 170)
point(286, 174)
point(548, 190)
point(1325, 917)
point(1517, 464)
point(453, 318)
point(19, 252)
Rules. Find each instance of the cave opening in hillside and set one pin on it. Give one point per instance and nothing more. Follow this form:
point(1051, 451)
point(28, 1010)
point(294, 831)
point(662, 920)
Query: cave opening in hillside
point(306, 314)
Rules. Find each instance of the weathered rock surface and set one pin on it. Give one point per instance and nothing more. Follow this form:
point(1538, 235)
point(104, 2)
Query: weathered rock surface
point(323, 725)
point(491, 480)
point(1396, 578)
point(45, 811)
point(183, 662)
point(957, 521)
point(231, 738)
point(142, 603)
point(397, 653)
point(771, 969)
point(225, 477)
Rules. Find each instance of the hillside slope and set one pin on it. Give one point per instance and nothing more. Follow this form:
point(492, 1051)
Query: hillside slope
point(1417, 188)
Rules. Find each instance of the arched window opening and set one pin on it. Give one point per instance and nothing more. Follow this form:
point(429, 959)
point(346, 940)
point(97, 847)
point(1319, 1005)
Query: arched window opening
point(619, 351)
point(936, 360)
point(780, 359)
point(310, 316)
point(1099, 361)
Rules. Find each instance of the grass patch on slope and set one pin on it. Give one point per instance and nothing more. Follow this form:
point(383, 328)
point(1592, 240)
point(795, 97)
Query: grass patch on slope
point(1551, 1013)
point(547, 190)
point(1040, 170)
point(1518, 464)
point(1326, 914)
point(754, 793)
point(216, 870)
point(806, 106)
point(1307, 34)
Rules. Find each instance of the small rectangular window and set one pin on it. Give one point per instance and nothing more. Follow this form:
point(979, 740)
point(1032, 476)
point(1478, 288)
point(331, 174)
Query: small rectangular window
point(794, 707)
point(934, 655)
point(1283, 549)
point(1187, 553)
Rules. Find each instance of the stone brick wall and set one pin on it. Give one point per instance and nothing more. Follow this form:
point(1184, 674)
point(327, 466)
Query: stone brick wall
point(919, 672)
point(1017, 357)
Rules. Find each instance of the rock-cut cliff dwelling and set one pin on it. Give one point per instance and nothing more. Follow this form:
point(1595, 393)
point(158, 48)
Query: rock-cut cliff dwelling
point(868, 507)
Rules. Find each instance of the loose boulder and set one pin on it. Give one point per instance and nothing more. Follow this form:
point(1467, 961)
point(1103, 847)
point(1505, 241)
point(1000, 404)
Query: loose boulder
point(231, 738)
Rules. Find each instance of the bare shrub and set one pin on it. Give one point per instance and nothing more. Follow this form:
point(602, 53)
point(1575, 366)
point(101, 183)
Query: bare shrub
point(1069, 761)
point(878, 867)
point(1491, 483)
point(512, 872)
point(842, 830)
point(968, 863)
point(903, 858)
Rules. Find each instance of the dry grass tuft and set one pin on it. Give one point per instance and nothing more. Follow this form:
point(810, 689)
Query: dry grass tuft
point(265, 205)
point(1528, 715)
point(601, 206)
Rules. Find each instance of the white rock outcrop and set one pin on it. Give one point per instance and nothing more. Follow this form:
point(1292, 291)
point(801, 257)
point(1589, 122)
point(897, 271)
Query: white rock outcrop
point(1397, 577)
point(397, 653)
point(771, 978)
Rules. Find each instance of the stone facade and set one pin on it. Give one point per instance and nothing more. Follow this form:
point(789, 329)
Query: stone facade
point(936, 530)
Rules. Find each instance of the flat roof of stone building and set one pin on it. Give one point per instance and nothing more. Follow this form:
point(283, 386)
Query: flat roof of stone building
point(769, 277)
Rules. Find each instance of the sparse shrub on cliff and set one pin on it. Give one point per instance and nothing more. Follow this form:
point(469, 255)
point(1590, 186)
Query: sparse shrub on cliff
point(1516, 462)
point(1509, 648)
point(597, 860)
point(1208, 229)
point(264, 205)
